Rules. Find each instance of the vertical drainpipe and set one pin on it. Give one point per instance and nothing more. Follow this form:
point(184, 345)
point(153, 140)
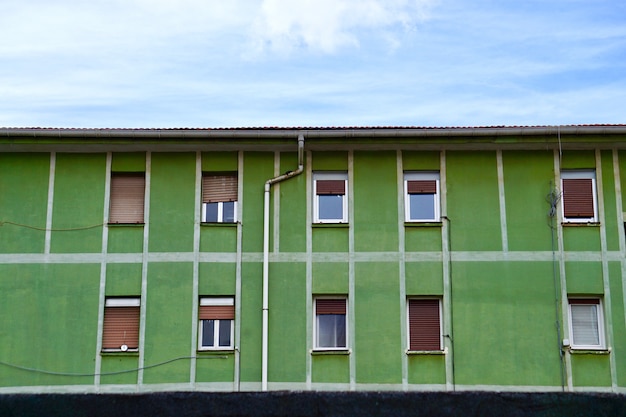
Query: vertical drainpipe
point(266, 250)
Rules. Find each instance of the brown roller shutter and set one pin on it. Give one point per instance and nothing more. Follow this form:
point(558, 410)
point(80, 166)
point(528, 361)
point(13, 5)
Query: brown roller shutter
point(422, 187)
point(219, 188)
point(127, 198)
point(216, 313)
point(584, 301)
point(121, 327)
point(578, 197)
point(424, 325)
point(330, 306)
point(332, 187)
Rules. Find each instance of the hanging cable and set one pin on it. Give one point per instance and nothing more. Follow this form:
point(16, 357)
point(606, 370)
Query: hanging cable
point(43, 229)
point(125, 371)
point(553, 198)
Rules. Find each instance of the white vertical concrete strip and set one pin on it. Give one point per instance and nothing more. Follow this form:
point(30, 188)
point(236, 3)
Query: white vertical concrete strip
point(309, 267)
point(608, 316)
point(239, 257)
point(276, 196)
point(103, 270)
point(51, 176)
point(144, 271)
point(447, 278)
point(402, 271)
point(620, 222)
point(562, 277)
point(196, 267)
point(505, 240)
point(351, 284)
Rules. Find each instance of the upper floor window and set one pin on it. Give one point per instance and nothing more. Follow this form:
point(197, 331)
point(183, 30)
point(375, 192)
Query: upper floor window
point(215, 323)
point(127, 198)
point(330, 197)
point(425, 324)
point(219, 198)
point(579, 196)
point(421, 196)
point(586, 323)
point(120, 331)
point(330, 323)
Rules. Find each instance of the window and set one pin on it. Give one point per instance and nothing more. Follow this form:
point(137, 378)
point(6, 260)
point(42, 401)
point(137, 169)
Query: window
point(579, 196)
point(219, 198)
point(586, 323)
point(127, 198)
point(330, 323)
point(421, 196)
point(425, 324)
point(330, 202)
point(216, 328)
point(120, 331)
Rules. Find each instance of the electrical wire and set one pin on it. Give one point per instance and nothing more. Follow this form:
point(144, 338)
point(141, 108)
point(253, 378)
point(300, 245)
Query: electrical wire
point(125, 371)
point(553, 198)
point(43, 229)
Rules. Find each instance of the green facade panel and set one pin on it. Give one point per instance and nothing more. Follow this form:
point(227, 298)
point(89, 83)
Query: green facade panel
point(330, 278)
point(427, 370)
point(584, 278)
point(172, 202)
point(49, 335)
point(423, 278)
point(288, 347)
point(473, 201)
point(23, 206)
point(217, 278)
point(293, 207)
point(78, 209)
point(168, 328)
point(123, 280)
point(528, 178)
point(504, 324)
point(377, 330)
point(125, 238)
point(375, 202)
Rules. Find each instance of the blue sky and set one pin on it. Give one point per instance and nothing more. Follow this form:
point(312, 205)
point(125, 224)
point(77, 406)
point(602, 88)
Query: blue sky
point(249, 63)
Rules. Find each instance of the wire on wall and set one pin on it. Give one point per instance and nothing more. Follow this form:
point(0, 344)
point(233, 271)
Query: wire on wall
point(43, 229)
point(125, 371)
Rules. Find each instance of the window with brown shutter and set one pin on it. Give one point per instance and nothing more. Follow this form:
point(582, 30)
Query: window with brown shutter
point(330, 204)
point(578, 189)
point(120, 330)
point(219, 198)
point(215, 321)
point(127, 198)
point(330, 323)
point(421, 199)
point(424, 324)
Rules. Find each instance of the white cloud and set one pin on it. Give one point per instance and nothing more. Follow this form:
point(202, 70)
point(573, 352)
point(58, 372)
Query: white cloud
point(327, 25)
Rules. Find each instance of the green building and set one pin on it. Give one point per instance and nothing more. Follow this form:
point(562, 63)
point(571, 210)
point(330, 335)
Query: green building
point(406, 259)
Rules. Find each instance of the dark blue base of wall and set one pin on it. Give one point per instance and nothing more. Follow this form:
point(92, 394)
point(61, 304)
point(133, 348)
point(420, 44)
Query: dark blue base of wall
point(313, 404)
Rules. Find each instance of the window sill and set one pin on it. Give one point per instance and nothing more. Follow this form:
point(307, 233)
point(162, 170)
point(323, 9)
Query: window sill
point(119, 353)
point(423, 224)
point(331, 225)
point(222, 353)
point(319, 352)
point(580, 224)
point(427, 352)
point(126, 224)
point(599, 351)
point(216, 224)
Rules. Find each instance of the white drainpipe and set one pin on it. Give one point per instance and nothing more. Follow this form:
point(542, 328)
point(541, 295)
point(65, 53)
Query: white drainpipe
point(266, 254)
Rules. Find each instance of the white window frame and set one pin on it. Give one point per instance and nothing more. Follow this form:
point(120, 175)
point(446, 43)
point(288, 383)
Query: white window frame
point(408, 323)
point(600, 321)
point(416, 176)
point(213, 301)
point(321, 176)
point(220, 212)
point(581, 174)
point(112, 302)
point(316, 346)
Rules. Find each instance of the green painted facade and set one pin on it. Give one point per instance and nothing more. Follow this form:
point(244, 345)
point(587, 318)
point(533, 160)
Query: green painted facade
point(501, 267)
